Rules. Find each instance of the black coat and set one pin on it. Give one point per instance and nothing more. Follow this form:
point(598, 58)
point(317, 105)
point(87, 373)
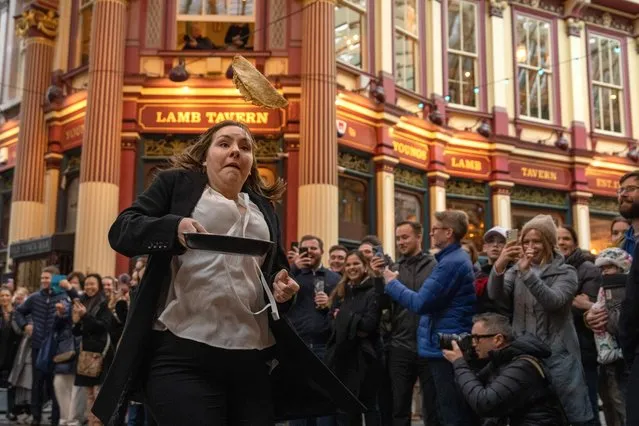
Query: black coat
point(590, 280)
point(302, 385)
point(351, 349)
point(10, 337)
point(510, 387)
point(93, 329)
point(629, 316)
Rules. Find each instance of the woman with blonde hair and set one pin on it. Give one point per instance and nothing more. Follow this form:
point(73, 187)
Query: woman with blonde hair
point(539, 290)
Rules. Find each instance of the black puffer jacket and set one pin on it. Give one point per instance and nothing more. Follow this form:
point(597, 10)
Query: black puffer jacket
point(413, 271)
point(590, 281)
point(511, 388)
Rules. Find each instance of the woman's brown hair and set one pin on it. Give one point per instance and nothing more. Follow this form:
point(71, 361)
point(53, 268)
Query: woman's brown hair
point(339, 292)
point(549, 248)
point(193, 157)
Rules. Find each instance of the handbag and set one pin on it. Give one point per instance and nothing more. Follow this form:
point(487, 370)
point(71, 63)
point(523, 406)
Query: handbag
point(90, 364)
point(44, 360)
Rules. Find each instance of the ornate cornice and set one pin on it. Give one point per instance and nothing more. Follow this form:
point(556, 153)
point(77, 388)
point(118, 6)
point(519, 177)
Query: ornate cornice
point(546, 5)
point(574, 27)
point(37, 23)
point(497, 8)
point(607, 20)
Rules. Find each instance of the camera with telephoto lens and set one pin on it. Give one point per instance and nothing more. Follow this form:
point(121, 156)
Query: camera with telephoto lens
point(464, 341)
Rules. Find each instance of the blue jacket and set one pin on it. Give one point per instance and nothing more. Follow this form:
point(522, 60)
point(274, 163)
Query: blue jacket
point(41, 307)
point(311, 323)
point(446, 300)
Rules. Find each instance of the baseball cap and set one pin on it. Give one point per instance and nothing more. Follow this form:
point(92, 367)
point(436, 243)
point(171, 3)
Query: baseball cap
point(495, 230)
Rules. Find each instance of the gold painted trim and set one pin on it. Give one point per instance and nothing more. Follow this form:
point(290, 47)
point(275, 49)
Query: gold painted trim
point(501, 183)
point(582, 194)
point(541, 155)
point(438, 174)
point(10, 133)
point(65, 111)
point(9, 143)
point(602, 164)
point(357, 118)
point(68, 120)
point(341, 102)
point(133, 135)
point(387, 158)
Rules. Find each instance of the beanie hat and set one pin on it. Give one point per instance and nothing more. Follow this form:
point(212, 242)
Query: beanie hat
point(545, 225)
point(615, 256)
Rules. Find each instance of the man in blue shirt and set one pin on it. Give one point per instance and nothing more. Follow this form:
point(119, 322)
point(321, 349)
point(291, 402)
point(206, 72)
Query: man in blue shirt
point(446, 303)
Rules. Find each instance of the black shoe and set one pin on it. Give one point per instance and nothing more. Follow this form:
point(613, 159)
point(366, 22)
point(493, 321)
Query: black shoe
point(12, 417)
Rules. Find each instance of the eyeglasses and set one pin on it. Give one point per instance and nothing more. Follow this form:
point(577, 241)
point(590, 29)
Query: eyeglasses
point(437, 228)
point(478, 337)
point(626, 189)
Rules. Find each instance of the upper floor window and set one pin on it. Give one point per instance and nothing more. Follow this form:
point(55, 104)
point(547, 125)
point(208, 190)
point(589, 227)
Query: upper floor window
point(463, 68)
point(534, 70)
point(406, 43)
point(86, 18)
point(350, 17)
point(216, 24)
point(606, 82)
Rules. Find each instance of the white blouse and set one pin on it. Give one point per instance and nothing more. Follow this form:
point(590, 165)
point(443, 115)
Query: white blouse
point(213, 296)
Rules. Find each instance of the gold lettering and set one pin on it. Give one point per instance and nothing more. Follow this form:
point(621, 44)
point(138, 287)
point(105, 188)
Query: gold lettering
point(539, 174)
point(607, 183)
point(250, 118)
point(410, 151)
point(241, 117)
point(196, 117)
point(262, 117)
point(464, 163)
point(159, 118)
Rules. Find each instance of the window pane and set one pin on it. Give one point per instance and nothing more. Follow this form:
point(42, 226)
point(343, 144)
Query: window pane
point(523, 91)
point(615, 106)
point(86, 17)
point(476, 211)
point(190, 7)
point(605, 61)
point(405, 15)
point(532, 33)
point(595, 59)
point(454, 82)
point(596, 100)
point(469, 81)
point(544, 82)
point(533, 97)
point(348, 36)
point(599, 234)
point(544, 45)
point(228, 7)
point(454, 25)
point(616, 67)
point(352, 209)
point(405, 61)
point(469, 44)
point(605, 98)
point(407, 207)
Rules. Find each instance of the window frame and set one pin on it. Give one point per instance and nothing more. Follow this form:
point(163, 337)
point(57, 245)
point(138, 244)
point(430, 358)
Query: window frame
point(412, 39)
point(624, 104)
point(240, 19)
point(364, 14)
point(554, 95)
point(82, 5)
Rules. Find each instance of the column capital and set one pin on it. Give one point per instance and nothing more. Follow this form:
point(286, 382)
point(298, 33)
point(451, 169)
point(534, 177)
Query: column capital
point(129, 141)
point(385, 163)
point(438, 179)
point(574, 27)
point(37, 22)
point(500, 187)
point(581, 198)
point(53, 160)
point(497, 8)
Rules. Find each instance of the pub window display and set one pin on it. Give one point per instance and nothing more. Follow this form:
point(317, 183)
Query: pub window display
point(476, 211)
point(353, 213)
point(216, 24)
point(407, 207)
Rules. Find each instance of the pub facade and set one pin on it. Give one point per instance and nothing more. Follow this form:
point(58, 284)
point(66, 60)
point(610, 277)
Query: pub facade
point(397, 109)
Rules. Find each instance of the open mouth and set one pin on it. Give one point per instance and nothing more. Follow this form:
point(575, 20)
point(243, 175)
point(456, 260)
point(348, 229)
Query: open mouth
point(234, 166)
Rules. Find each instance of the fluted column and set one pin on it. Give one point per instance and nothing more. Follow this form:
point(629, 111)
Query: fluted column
point(98, 197)
point(497, 36)
point(581, 217)
point(38, 27)
point(318, 193)
point(385, 180)
point(502, 215)
point(437, 190)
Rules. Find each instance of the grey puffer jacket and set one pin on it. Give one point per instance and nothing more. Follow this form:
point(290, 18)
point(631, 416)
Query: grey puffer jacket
point(541, 304)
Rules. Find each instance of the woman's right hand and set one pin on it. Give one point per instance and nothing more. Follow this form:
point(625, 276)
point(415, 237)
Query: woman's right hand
point(189, 225)
point(511, 253)
point(597, 318)
point(60, 309)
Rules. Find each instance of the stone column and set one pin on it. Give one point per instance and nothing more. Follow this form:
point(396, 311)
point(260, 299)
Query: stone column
point(581, 217)
point(127, 185)
point(38, 26)
point(496, 38)
point(385, 183)
point(384, 48)
point(437, 192)
point(579, 94)
point(98, 199)
point(435, 44)
point(318, 192)
point(53, 160)
point(502, 215)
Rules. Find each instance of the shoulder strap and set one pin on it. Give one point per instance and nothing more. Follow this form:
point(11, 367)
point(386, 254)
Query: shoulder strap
point(535, 362)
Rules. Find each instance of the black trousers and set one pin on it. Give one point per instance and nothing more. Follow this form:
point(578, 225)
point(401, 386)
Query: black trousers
point(405, 368)
point(193, 382)
point(632, 395)
point(41, 390)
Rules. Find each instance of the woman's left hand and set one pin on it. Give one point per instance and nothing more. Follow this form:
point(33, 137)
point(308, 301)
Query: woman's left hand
point(525, 261)
point(79, 309)
point(284, 287)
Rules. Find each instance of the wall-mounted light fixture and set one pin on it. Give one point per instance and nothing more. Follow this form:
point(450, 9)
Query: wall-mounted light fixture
point(561, 142)
point(178, 73)
point(481, 126)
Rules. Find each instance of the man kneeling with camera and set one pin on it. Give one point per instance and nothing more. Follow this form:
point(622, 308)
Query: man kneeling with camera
point(513, 388)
